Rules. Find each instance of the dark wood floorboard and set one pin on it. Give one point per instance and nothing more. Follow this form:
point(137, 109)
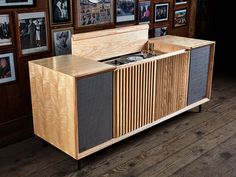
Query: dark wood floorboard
point(189, 145)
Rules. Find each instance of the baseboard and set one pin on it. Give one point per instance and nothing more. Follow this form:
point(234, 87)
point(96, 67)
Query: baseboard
point(16, 130)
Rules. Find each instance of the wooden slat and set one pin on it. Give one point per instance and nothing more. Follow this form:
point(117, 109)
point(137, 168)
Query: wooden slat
point(54, 108)
point(172, 84)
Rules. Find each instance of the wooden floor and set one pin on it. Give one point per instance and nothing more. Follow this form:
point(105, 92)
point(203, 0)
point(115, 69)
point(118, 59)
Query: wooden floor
point(191, 145)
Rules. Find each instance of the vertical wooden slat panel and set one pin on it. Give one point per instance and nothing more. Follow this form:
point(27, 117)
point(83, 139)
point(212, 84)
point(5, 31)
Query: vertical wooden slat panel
point(135, 97)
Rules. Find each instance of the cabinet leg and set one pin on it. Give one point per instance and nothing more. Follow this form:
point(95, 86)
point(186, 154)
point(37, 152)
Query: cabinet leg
point(200, 108)
point(79, 164)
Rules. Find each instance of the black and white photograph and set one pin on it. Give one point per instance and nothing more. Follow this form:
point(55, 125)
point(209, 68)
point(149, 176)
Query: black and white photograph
point(180, 18)
point(92, 12)
point(60, 11)
point(5, 31)
point(33, 32)
point(177, 2)
point(125, 10)
point(16, 3)
point(7, 68)
point(144, 12)
point(61, 40)
point(158, 32)
point(161, 12)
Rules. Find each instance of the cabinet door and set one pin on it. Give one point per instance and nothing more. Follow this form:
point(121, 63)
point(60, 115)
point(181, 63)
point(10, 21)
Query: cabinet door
point(94, 110)
point(198, 78)
point(172, 84)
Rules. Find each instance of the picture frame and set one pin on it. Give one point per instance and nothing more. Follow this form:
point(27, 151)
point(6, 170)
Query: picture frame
point(180, 18)
point(7, 67)
point(125, 11)
point(61, 41)
point(94, 12)
point(161, 11)
point(33, 32)
point(178, 2)
point(60, 12)
point(144, 12)
point(161, 31)
point(6, 29)
point(17, 3)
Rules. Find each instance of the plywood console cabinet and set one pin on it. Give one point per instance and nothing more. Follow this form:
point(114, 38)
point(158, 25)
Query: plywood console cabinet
point(81, 104)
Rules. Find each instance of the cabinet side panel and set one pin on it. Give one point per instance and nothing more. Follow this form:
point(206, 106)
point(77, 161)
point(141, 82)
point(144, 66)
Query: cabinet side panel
point(53, 104)
point(94, 110)
point(198, 78)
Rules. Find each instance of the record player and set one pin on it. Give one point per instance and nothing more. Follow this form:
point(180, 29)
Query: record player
point(144, 54)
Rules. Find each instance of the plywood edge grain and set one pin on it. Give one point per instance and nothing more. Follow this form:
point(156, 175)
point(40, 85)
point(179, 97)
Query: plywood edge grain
point(210, 70)
point(115, 140)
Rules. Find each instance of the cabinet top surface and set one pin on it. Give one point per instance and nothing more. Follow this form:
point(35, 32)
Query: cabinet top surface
point(184, 42)
point(73, 65)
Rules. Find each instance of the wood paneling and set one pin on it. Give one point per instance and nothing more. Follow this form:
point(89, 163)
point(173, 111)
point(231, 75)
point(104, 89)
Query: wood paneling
point(133, 97)
point(172, 84)
point(110, 43)
point(54, 107)
point(16, 112)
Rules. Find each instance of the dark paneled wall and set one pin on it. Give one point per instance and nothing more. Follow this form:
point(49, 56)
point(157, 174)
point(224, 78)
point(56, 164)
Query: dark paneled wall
point(15, 103)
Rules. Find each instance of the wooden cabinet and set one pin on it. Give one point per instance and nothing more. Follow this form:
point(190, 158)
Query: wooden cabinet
point(82, 105)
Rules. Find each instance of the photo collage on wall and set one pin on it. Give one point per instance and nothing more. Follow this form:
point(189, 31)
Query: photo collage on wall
point(93, 12)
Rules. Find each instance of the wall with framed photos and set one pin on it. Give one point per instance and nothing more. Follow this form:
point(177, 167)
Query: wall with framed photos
point(34, 29)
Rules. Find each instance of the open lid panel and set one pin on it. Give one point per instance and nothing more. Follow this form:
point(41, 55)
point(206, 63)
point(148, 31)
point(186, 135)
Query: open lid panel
point(100, 45)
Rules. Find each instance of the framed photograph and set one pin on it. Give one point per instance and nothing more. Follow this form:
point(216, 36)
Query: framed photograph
point(94, 12)
point(60, 11)
point(125, 10)
point(6, 29)
point(180, 18)
point(177, 2)
point(144, 12)
point(33, 33)
point(7, 68)
point(61, 40)
point(16, 3)
point(158, 32)
point(161, 12)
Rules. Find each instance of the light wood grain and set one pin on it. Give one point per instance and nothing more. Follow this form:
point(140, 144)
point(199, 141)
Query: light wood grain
point(182, 42)
point(172, 84)
point(110, 43)
point(54, 108)
point(73, 65)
